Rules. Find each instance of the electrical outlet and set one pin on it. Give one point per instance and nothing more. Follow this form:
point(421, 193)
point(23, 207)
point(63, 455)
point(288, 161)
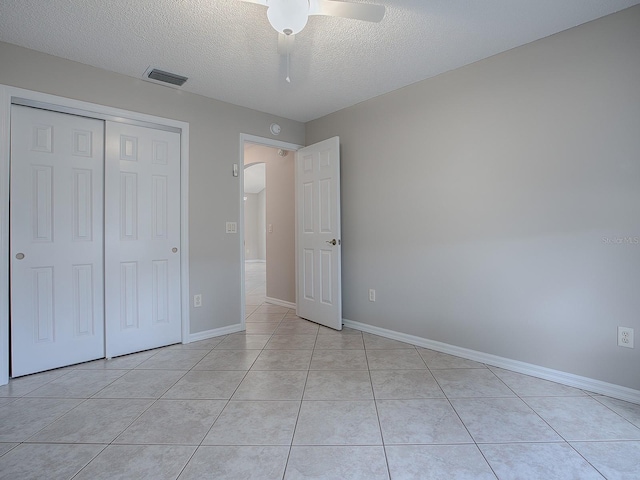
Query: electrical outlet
point(372, 295)
point(625, 337)
point(197, 300)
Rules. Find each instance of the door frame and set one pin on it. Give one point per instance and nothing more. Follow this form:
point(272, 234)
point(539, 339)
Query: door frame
point(10, 94)
point(267, 142)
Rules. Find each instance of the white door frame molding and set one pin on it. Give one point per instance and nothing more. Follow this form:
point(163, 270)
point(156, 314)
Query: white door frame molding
point(62, 104)
point(267, 142)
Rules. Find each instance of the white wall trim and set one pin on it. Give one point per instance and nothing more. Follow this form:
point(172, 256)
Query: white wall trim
point(281, 303)
point(255, 261)
point(216, 332)
point(6, 94)
point(268, 142)
point(5, 118)
point(577, 381)
point(184, 232)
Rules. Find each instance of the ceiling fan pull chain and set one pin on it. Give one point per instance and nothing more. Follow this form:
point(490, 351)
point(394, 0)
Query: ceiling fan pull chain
point(288, 78)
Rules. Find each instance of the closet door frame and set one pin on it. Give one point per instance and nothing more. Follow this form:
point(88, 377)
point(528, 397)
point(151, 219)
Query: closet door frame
point(10, 95)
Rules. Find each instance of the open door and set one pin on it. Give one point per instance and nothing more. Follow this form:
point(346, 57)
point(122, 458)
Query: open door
point(318, 245)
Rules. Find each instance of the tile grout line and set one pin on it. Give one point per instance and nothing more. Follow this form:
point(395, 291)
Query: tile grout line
point(295, 427)
point(154, 402)
point(475, 443)
point(375, 404)
point(234, 391)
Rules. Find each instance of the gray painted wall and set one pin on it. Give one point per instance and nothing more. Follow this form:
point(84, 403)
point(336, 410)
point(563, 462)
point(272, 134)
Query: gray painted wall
point(251, 227)
point(262, 225)
point(479, 203)
point(214, 194)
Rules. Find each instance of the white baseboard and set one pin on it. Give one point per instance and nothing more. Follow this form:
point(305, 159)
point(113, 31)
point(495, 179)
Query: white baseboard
point(255, 260)
point(584, 383)
point(280, 303)
point(216, 332)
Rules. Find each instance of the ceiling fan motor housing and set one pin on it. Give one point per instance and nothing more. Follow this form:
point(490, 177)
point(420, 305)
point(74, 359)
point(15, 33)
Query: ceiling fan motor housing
point(288, 16)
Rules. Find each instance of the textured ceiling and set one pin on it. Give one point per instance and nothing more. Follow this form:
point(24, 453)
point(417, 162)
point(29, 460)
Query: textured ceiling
point(229, 51)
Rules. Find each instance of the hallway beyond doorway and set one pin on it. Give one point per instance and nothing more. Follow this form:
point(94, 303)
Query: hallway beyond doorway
point(255, 284)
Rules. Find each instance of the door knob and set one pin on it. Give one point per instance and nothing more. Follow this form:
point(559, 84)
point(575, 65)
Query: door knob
point(174, 249)
point(332, 242)
point(20, 256)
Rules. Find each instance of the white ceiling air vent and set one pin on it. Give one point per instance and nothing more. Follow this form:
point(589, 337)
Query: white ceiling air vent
point(164, 78)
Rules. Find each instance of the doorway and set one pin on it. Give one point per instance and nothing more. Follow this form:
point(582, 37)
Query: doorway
point(269, 219)
point(267, 223)
point(255, 233)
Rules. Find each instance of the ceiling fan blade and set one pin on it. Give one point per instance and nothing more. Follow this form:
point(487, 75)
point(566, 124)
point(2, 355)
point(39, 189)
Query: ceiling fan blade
point(285, 44)
point(359, 11)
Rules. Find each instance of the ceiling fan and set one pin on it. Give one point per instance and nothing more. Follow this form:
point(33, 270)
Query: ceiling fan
point(289, 17)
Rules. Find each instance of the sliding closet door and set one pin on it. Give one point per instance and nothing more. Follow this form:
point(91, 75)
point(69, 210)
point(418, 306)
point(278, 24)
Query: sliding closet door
point(56, 224)
point(142, 238)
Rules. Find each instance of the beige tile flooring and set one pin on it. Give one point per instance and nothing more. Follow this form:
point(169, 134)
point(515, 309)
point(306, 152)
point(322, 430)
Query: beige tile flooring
point(293, 400)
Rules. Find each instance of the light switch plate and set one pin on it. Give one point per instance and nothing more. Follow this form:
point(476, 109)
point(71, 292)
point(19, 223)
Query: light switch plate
point(232, 227)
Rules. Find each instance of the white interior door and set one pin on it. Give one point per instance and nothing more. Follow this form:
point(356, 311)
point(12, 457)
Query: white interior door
point(319, 289)
point(142, 241)
point(56, 225)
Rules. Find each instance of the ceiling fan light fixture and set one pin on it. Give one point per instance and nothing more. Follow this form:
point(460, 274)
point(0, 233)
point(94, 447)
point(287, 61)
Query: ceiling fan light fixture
point(288, 16)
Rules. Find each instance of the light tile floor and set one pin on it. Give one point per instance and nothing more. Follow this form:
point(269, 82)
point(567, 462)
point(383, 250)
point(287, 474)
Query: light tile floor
point(289, 399)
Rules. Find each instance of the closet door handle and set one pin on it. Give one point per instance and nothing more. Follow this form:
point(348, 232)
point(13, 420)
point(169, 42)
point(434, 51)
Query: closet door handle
point(20, 256)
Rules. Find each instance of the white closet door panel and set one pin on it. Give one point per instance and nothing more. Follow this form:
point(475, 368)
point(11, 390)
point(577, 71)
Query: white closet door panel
point(56, 224)
point(142, 243)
